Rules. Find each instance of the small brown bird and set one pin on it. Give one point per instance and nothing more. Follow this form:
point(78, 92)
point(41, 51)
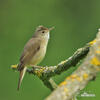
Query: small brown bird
point(34, 50)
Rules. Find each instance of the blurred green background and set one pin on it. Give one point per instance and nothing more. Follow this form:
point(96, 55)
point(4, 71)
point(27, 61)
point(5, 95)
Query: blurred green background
point(76, 23)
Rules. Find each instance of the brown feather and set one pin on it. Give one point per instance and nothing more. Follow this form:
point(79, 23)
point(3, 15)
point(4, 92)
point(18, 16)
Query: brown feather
point(21, 76)
point(30, 49)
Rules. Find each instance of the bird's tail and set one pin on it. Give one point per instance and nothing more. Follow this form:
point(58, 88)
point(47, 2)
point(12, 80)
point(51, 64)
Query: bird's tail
point(21, 76)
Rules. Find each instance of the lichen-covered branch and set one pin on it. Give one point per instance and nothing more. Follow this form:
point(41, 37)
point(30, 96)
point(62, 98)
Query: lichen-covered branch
point(81, 77)
point(50, 84)
point(45, 73)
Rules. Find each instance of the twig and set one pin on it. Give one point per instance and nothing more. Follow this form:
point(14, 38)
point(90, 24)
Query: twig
point(82, 76)
point(47, 72)
point(50, 84)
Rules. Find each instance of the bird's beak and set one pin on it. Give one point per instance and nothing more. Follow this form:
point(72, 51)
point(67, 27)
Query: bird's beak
point(51, 28)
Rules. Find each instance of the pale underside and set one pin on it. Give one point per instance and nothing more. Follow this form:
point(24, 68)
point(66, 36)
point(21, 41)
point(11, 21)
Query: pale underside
point(38, 57)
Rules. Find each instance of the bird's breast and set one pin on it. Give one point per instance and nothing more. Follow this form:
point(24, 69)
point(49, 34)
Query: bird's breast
point(37, 58)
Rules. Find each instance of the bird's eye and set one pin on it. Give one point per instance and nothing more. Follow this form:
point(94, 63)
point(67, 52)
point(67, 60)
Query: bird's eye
point(43, 31)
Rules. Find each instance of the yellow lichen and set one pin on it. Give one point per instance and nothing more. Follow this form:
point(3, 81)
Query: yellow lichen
point(95, 61)
point(63, 62)
point(39, 72)
point(65, 90)
point(92, 42)
point(14, 66)
point(98, 51)
point(98, 69)
point(68, 78)
point(63, 83)
point(85, 75)
point(73, 76)
point(73, 80)
point(79, 79)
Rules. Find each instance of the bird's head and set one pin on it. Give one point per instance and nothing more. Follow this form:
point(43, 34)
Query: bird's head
point(42, 32)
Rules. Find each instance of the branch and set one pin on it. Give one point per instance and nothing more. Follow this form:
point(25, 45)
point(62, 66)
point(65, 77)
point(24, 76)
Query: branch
point(81, 77)
point(45, 73)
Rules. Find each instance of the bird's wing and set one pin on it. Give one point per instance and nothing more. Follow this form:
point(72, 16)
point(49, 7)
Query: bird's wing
point(30, 49)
